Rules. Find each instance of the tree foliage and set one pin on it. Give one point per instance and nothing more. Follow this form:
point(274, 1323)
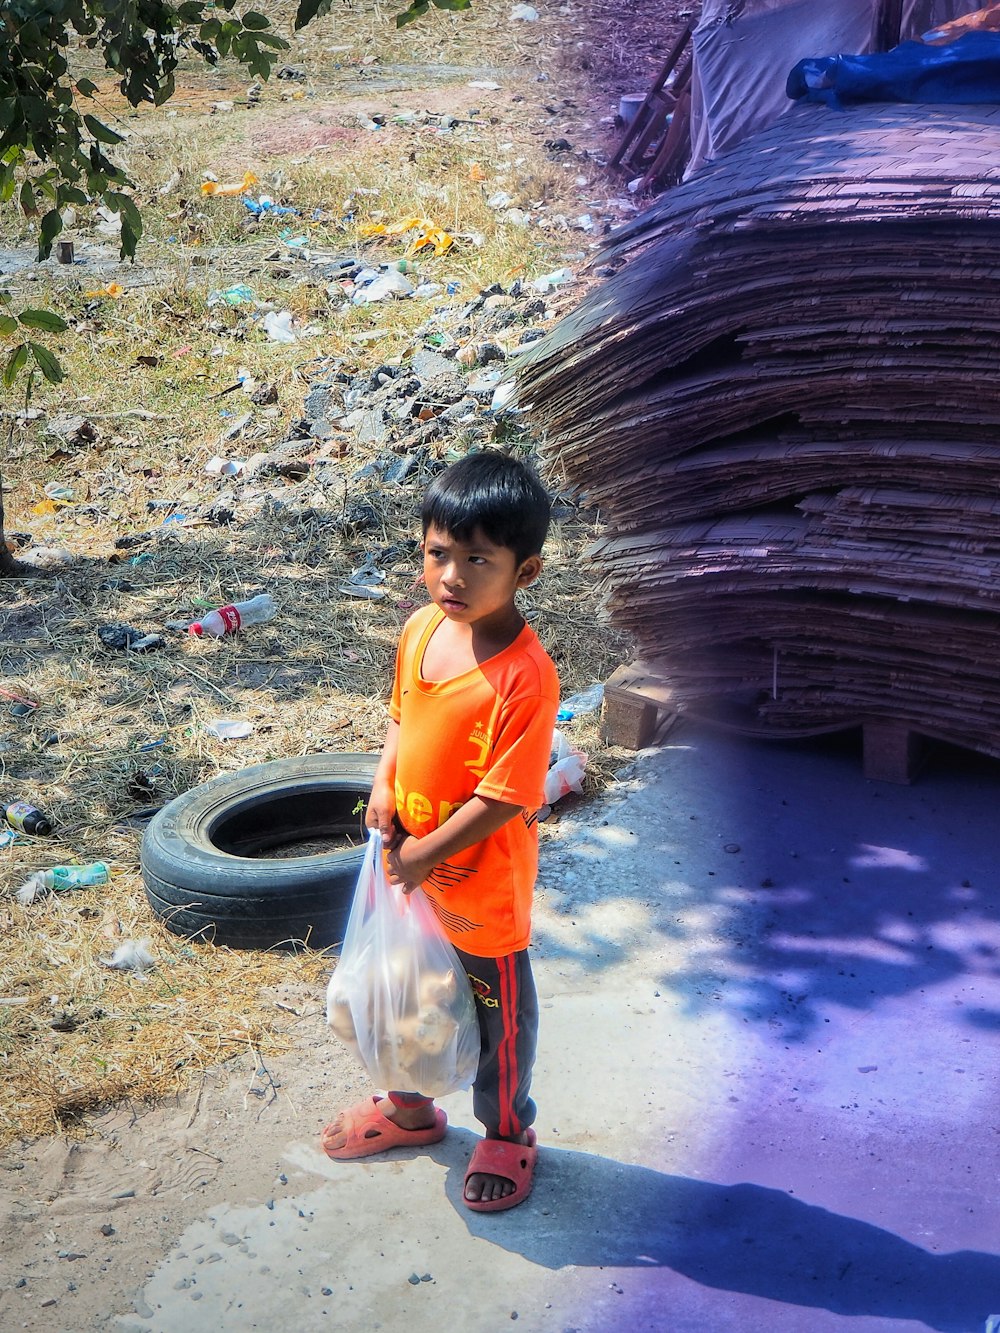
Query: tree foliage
point(53, 147)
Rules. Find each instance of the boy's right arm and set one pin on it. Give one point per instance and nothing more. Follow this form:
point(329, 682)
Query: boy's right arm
point(381, 812)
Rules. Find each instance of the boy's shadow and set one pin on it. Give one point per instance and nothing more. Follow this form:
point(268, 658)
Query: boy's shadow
point(592, 1211)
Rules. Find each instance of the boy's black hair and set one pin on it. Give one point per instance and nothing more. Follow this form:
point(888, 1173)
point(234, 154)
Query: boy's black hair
point(491, 491)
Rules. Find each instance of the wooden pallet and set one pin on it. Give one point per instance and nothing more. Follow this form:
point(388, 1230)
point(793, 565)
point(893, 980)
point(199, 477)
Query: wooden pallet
point(640, 707)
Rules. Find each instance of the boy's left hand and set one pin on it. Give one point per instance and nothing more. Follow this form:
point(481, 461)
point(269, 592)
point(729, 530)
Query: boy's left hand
point(407, 866)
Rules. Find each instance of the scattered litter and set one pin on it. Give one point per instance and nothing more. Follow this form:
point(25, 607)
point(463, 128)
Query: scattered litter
point(238, 294)
point(235, 427)
point(125, 638)
point(46, 557)
point(265, 204)
point(428, 234)
point(278, 327)
point(131, 956)
point(548, 281)
point(224, 467)
point(234, 616)
point(113, 289)
point(110, 223)
point(212, 187)
point(27, 704)
point(55, 490)
point(8, 837)
point(59, 878)
point(485, 85)
point(566, 769)
point(392, 283)
point(28, 819)
point(367, 575)
point(584, 702)
point(72, 428)
point(526, 13)
point(228, 728)
point(362, 591)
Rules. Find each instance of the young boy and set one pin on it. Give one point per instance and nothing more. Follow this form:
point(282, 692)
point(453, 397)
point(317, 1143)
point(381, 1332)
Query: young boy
point(455, 794)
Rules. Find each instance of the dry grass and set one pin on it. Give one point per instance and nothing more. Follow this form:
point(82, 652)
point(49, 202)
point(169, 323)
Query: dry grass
point(113, 734)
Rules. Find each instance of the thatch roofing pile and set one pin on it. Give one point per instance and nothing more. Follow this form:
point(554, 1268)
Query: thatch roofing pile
point(787, 406)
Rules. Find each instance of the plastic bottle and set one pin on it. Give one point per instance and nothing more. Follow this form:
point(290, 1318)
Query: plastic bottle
point(28, 819)
point(237, 615)
point(75, 877)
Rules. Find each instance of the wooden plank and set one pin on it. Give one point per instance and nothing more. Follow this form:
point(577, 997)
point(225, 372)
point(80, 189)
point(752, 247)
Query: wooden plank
point(653, 111)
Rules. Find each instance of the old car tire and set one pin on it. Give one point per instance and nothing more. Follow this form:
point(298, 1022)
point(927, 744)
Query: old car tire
point(201, 862)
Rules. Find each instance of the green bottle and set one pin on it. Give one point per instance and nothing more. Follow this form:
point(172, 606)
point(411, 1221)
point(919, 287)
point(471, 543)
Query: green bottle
point(75, 877)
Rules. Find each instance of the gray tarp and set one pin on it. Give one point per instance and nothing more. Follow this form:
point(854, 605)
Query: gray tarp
point(745, 48)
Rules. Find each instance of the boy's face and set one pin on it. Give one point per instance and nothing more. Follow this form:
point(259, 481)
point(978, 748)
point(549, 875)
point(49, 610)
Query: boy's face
point(474, 581)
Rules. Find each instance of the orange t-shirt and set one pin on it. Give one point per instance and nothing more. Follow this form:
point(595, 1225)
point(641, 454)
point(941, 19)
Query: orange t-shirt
point(486, 732)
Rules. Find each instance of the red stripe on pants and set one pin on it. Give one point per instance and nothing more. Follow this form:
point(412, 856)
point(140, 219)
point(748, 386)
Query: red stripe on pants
point(507, 1050)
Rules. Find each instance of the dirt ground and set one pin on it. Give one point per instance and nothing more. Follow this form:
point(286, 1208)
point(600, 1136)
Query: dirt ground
point(90, 1212)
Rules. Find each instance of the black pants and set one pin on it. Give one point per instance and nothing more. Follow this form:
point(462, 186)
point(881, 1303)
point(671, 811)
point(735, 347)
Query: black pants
point(507, 1005)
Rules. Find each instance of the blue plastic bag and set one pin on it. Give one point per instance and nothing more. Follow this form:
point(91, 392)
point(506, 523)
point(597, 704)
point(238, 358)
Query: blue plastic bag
point(967, 70)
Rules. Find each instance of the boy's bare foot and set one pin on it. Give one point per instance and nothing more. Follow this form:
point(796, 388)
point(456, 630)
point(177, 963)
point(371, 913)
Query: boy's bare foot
point(377, 1124)
point(481, 1188)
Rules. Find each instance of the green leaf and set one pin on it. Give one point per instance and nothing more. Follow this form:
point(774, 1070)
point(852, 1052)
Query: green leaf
point(47, 363)
point(307, 11)
point(100, 131)
point(8, 325)
point(453, 4)
point(15, 364)
point(85, 88)
point(125, 205)
point(45, 320)
point(28, 205)
point(130, 238)
point(416, 10)
point(256, 22)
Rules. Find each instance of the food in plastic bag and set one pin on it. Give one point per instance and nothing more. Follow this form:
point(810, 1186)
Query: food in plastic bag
point(400, 998)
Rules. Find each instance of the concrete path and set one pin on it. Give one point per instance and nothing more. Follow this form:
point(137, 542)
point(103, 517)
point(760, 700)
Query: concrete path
point(767, 1084)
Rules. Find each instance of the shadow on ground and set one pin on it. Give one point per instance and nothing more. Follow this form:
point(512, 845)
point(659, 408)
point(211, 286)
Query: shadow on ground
point(789, 883)
point(594, 1212)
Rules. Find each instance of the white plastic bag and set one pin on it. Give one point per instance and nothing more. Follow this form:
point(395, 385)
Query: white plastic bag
point(566, 769)
point(400, 998)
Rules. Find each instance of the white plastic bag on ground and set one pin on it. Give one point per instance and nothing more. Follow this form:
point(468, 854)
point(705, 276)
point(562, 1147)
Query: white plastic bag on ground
point(566, 769)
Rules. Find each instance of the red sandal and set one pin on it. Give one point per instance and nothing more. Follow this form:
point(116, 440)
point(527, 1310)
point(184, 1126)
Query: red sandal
point(369, 1132)
point(513, 1161)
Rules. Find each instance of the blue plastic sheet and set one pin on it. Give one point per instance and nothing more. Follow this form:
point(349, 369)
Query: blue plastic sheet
point(967, 70)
